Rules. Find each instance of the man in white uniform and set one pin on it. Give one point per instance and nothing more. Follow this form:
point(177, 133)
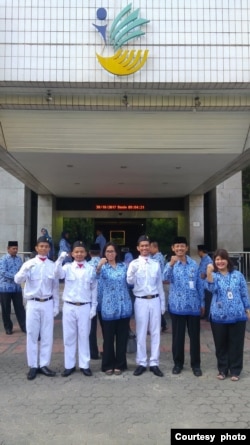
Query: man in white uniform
point(144, 274)
point(41, 291)
point(80, 301)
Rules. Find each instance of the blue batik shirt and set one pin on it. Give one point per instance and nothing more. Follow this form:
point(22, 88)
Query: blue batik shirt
point(205, 260)
point(160, 258)
point(229, 297)
point(9, 266)
point(115, 301)
point(186, 291)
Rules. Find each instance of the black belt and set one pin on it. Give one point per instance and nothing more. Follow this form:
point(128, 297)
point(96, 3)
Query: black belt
point(77, 304)
point(41, 299)
point(148, 297)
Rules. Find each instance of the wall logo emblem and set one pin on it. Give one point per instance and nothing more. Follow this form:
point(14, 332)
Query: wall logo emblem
point(125, 27)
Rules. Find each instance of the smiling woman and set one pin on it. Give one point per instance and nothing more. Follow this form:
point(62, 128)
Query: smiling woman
point(229, 311)
point(115, 308)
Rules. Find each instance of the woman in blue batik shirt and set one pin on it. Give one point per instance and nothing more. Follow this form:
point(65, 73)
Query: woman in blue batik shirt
point(229, 311)
point(116, 310)
point(65, 246)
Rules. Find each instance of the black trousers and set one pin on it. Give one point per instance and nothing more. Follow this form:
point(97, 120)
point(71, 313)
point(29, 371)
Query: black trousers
point(229, 346)
point(94, 352)
point(115, 336)
point(179, 323)
point(17, 300)
point(208, 299)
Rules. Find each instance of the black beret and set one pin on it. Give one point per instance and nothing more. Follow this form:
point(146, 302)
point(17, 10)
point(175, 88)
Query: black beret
point(143, 238)
point(78, 244)
point(43, 239)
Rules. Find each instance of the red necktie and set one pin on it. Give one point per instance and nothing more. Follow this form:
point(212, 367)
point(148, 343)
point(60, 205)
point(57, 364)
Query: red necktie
point(42, 259)
point(80, 265)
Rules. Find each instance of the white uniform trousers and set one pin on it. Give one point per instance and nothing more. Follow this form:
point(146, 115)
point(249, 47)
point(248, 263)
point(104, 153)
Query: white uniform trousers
point(76, 328)
point(148, 316)
point(39, 320)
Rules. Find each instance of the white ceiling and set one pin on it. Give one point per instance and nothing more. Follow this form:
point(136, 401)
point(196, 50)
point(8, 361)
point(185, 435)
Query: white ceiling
point(130, 154)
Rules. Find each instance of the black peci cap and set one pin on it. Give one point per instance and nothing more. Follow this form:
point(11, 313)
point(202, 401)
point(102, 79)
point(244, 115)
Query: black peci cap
point(12, 244)
point(180, 240)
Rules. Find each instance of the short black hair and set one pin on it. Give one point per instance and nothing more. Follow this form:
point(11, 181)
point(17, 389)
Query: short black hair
point(202, 248)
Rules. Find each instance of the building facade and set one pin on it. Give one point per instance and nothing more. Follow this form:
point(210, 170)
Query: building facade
point(127, 101)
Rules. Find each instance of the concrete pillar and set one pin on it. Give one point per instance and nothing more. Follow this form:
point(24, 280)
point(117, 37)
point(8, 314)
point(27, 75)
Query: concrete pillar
point(12, 212)
point(44, 213)
point(229, 214)
point(196, 222)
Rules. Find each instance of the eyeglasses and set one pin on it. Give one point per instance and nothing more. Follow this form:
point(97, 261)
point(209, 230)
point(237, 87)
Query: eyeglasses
point(110, 251)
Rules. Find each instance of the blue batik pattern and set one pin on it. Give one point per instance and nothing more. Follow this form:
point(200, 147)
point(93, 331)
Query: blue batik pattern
point(114, 298)
point(9, 266)
point(160, 258)
point(224, 309)
point(204, 263)
point(186, 292)
point(94, 263)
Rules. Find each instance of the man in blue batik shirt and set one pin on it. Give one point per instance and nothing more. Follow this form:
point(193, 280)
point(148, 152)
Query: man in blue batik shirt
point(186, 304)
point(100, 239)
point(205, 260)
point(9, 290)
point(156, 255)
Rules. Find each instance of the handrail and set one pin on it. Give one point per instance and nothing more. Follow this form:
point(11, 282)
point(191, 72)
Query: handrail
point(24, 255)
point(241, 261)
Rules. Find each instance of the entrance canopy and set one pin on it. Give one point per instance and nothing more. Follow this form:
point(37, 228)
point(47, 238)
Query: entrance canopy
point(129, 150)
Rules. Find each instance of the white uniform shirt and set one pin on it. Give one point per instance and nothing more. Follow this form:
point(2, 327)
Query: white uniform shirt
point(145, 275)
point(39, 278)
point(80, 283)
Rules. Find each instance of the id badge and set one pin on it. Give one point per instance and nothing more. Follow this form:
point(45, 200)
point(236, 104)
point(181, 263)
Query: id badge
point(230, 295)
point(191, 285)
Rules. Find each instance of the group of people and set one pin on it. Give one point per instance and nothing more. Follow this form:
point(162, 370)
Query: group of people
point(102, 286)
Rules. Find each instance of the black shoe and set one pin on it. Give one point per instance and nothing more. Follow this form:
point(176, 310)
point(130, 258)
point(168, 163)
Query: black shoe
point(24, 331)
point(197, 372)
point(140, 370)
point(176, 370)
point(164, 329)
point(86, 371)
point(32, 374)
point(156, 370)
point(67, 372)
point(9, 331)
point(46, 371)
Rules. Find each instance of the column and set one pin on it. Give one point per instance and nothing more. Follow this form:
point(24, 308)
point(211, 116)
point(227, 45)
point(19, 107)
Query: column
point(13, 211)
point(195, 209)
point(229, 214)
point(44, 213)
